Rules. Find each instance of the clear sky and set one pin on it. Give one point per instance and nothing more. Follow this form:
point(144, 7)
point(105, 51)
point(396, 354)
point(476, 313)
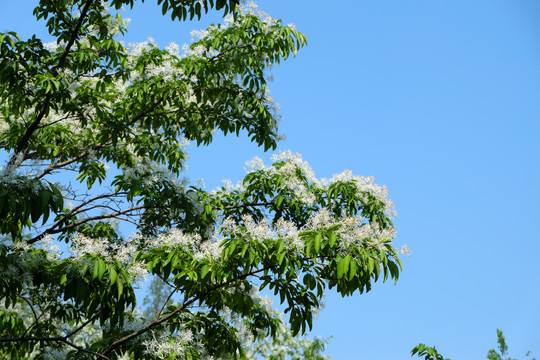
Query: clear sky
point(440, 102)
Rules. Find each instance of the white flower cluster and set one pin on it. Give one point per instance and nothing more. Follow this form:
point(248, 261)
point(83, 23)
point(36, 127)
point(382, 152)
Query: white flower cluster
point(366, 185)
point(300, 179)
point(4, 126)
point(167, 347)
point(404, 250)
point(320, 220)
point(210, 249)
point(167, 69)
point(152, 173)
point(354, 231)
point(48, 244)
point(200, 249)
point(251, 8)
point(121, 252)
point(250, 230)
point(9, 176)
point(176, 238)
point(294, 163)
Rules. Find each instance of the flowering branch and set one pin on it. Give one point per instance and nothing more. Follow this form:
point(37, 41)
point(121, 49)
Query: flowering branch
point(63, 339)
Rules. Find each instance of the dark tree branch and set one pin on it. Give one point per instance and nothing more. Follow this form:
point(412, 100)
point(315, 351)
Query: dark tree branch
point(249, 205)
point(84, 350)
point(93, 318)
point(54, 122)
point(36, 318)
point(63, 339)
point(165, 303)
point(72, 213)
point(59, 165)
point(223, 52)
point(99, 217)
point(51, 230)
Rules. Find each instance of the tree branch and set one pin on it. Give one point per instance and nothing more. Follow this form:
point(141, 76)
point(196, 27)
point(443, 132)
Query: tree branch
point(23, 141)
point(84, 350)
point(166, 301)
point(156, 322)
point(36, 318)
point(83, 221)
point(229, 50)
point(83, 325)
point(59, 165)
point(53, 339)
point(249, 205)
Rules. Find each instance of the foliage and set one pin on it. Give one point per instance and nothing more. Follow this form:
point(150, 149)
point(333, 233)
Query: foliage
point(431, 353)
point(503, 349)
point(87, 103)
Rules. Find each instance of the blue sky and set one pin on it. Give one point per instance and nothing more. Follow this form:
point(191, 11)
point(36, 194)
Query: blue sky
point(439, 101)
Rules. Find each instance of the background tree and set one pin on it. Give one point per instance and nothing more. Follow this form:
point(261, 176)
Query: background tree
point(86, 103)
point(503, 349)
point(428, 352)
point(431, 353)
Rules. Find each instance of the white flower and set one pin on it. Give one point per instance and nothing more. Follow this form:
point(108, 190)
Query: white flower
point(165, 347)
point(210, 249)
point(175, 238)
point(320, 220)
point(405, 250)
point(52, 249)
point(138, 272)
point(173, 49)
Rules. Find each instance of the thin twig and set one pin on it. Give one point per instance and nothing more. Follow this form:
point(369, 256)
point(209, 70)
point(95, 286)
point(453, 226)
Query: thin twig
point(83, 325)
point(33, 311)
point(165, 303)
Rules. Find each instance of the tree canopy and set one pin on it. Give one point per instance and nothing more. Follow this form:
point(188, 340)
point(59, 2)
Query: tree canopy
point(88, 109)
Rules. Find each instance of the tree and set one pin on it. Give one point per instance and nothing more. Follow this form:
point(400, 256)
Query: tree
point(87, 103)
point(503, 349)
point(430, 353)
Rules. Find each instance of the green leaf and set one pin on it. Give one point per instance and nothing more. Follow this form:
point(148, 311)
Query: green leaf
point(119, 286)
point(205, 269)
point(332, 239)
point(317, 243)
point(280, 258)
point(340, 267)
point(353, 267)
point(112, 276)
